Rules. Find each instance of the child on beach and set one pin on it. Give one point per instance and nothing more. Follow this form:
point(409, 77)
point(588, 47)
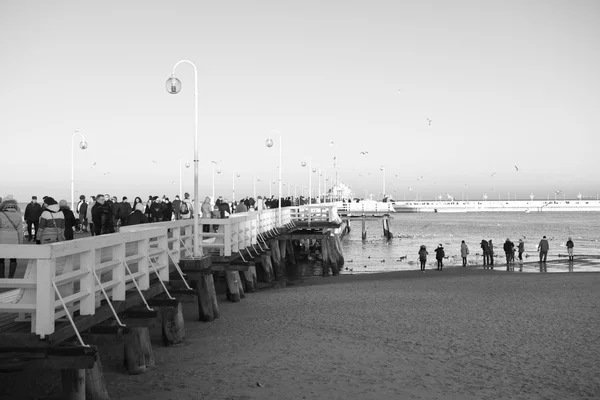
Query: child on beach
point(521, 250)
point(570, 246)
point(423, 257)
point(439, 256)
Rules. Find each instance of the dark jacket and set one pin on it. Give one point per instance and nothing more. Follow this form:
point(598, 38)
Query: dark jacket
point(33, 212)
point(485, 247)
point(167, 211)
point(69, 222)
point(508, 247)
point(224, 207)
point(570, 244)
point(439, 253)
point(176, 204)
point(124, 209)
point(156, 211)
point(521, 247)
point(102, 217)
point(82, 208)
point(137, 217)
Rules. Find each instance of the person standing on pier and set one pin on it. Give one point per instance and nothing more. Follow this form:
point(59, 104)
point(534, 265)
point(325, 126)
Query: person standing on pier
point(176, 207)
point(11, 231)
point(89, 216)
point(33, 212)
point(82, 207)
point(52, 223)
point(124, 211)
point(521, 249)
point(543, 248)
point(486, 252)
point(570, 246)
point(186, 208)
point(491, 251)
point(206, 209)
point(464, 252)
point(69, 219)
point(423, 257)
point(137, 216)
point(439, 256)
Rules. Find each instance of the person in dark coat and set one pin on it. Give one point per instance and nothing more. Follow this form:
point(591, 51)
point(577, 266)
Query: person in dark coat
point(167, 214)
point(491, 251)
point(176, 207)
point(69, 219)
point(137, 216)
point(156, 210)
point(486, 252)
point(124, 211)
point(509, 250)
point(224, 208)
point(439, 256)
point(102, 216)
point(33, 212)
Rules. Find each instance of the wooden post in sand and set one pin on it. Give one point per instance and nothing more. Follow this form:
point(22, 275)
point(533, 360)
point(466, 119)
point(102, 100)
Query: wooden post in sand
point(233, 289)
point(95, 389)
point(73, 384)
point(173, 331)
point(250, 278)
point(278, 265)
point(138, 350)
point(267, 266)
point(325, 256)
point(208, 308)
point(386, 229)
point(240, 284)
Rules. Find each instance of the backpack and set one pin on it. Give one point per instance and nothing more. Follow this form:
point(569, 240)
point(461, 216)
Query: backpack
point(183, 209)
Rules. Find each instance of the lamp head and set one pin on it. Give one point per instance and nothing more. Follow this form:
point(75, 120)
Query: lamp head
point(314, 170)
point(269, 142)
point(303, 163)
point(238, 174)
point(382, 168)
point(83, 145)
point(218, 170)
point(173, 85)
point(187, 164)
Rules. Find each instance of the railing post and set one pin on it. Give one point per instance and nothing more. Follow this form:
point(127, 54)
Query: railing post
point(88, 304)
point(144, 280)
point(163, 259)
point(44, 299)
point(188, 240)
point(176, 251)
point(118, 273)
point(227, 232)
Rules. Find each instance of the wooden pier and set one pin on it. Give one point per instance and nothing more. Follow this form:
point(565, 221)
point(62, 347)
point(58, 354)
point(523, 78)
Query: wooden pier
point(120, 284)
point(364, 212)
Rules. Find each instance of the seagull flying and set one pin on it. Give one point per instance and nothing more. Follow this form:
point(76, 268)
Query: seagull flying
point(517, 168)
point(364, 153)
point(106, 173)
point(493, 174)
point(93, 165)
point(410, 189)
point(154, 161)
point(428, 121)
point(419, 178)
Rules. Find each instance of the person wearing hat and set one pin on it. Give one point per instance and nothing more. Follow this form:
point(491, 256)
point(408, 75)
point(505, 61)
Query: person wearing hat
point(570, 246)
point(11, 231)
point(52, 223)
point(521, 249)
point(33, 212)
point(543, 248)
point(508, 250)
point(423, 257)
point(439, 256)
point(69, 219)
point(82, 207)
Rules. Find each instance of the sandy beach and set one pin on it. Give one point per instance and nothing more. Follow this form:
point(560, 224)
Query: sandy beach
point(456, 334)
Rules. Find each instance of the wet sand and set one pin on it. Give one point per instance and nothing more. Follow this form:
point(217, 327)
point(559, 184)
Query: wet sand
point(457, 334)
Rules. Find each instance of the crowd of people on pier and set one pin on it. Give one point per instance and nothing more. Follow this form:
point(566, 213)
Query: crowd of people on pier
point(487, 247)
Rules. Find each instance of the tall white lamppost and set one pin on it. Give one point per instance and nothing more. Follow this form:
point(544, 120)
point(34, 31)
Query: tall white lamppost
point(234, 174)
point(383, 175)
point(318, 172)
point(214, 165)
point(310, 171)
point(269, 143)
point(295, 192)
point(82, 145)
point(173, 86)
point(187, 165)
point(271, 188)
point(256, 179)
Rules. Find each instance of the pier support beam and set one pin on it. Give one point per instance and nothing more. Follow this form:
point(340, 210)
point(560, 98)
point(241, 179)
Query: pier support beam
point(95, 388)
point(73, 384)
point(364, 229)
point(138, 350)
point(233, 286)
point(250, 278)
point(278, 264)
point(267, 266)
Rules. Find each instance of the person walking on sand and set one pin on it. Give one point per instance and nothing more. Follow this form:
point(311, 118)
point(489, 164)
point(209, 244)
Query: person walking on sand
point(464, 252)
point(486, 253)
point(570, 246)
point(439, 256)
point(423, 257)
point(491, 251)
point(521, 249)
point(543, 248)
point(508, 250)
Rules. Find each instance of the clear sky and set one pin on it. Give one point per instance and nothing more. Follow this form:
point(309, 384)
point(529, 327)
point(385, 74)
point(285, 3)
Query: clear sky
point(504, 83)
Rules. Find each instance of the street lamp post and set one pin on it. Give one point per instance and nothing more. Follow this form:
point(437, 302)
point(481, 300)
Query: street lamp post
point(310, 172)
point(173, 86)
point(214, 164)
point(82, 145)
point(255, 180)
point(187, 165)
point(383, 170)
point(269, 143)
point(233, 176)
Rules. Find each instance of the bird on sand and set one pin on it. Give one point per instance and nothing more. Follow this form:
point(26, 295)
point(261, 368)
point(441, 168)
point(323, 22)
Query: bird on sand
point(428, 121)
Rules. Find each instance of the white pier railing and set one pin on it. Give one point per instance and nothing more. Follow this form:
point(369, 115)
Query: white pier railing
point(75, 276)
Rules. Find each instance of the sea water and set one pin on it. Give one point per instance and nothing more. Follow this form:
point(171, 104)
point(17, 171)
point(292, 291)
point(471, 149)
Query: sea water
point(411, 230)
